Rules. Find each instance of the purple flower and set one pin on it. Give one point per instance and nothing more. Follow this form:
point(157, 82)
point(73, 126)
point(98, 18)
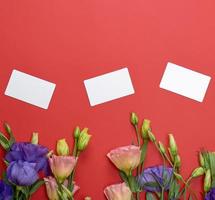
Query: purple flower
point(30, 153)
point(210, 195)
point(153, 178)
point(6, 191)
point(22, 173)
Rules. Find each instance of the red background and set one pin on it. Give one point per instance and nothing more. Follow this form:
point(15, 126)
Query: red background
point(68, 41)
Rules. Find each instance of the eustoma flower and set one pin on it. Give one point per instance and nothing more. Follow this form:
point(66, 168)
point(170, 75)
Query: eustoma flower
point(22, 173)
point(118, 192)
point(51, 188)
point(210, 195)
point(6, 191)
point(30, 153)
point(125, 158)
point(62, 166)
point(159, 175)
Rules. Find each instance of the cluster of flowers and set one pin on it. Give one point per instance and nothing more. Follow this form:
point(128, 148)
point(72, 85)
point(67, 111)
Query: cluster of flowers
point(157, 182)
point(30, 165)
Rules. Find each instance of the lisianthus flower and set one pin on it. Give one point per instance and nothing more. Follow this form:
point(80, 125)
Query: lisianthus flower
point(22, 173)
point(125, 158)
point(62, 166)
point(157, 175)
point(210, 195)
point(31, 153)
point(118, 192)
point(6, 191)
point(51, 188)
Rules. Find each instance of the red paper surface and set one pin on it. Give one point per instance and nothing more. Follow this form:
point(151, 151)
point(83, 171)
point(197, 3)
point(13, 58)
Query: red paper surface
point(68, 41)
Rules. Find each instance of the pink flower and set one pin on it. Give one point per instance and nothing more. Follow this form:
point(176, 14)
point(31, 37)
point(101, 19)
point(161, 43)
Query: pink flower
point(62, 166)
point(125, 158)
point(51, 188)
point(118, 192)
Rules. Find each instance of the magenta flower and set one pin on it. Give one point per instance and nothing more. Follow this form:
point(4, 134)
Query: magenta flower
point(62, 166)
point(118, 192)
point(125, 158)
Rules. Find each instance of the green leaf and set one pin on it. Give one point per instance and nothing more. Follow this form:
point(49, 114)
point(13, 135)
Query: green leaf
point(150, 196)
point(36, 186)
point(133, 184)
point(123, 177)
point(4, 142)
point(9, 131)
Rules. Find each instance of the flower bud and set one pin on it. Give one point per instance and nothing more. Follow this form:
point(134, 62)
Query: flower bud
point(201, 160)
point(151, 136)
point(161, 147)
point(145, 128)
point(199, 171)
point(87, 198)
point(207, 181)
point(77, 132)
point(134, 118)
point(35, 138)
point(83, 140)
point(177, 161)
point(173, 146)
point(62, 148)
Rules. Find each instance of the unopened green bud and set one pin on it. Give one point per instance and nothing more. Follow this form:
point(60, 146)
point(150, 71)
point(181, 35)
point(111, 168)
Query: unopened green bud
point(201, 160)
point(207, 181)
point(177, 161)
point(35, 138)
point(171, 156)
point(173, 146)
point(87, 198)
point(161, 147)
point(199, 171)
point(178, 176)
point(7, 128)
point(145, 128)
point(151, 136)
point(77, 132)
point(134, 118)
point(62, 148)
point(83, 140)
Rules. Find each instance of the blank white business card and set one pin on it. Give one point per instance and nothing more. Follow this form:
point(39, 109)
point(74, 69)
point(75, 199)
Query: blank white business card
point(109, 86)
point(185, 82)
point(30, 89)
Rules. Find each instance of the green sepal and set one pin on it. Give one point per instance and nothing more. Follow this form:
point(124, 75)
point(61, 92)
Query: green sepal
point(4, 142)
point(10, 133)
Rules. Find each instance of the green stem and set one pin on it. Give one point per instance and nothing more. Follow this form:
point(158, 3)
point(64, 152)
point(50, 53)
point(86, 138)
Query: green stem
point(70, 178)
point(162, 194)
point(138, 135)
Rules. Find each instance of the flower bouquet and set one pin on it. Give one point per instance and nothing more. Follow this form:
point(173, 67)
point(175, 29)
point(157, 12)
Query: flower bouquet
point(30, 165)
point(157, 182)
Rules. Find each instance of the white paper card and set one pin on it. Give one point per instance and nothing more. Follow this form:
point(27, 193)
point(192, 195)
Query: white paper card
point(109, 86)
point(30, 89)
point(185, 82)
